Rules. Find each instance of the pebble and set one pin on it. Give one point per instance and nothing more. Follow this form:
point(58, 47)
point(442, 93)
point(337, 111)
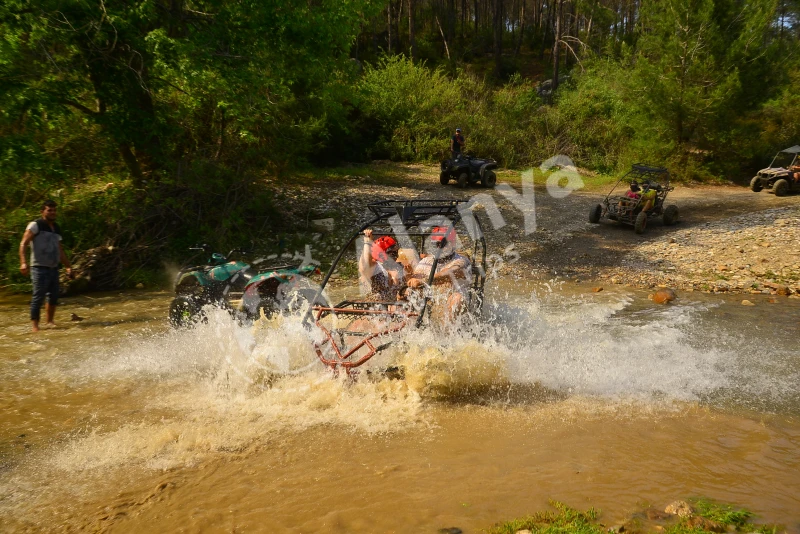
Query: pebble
point(760, 246)
point(746, 302)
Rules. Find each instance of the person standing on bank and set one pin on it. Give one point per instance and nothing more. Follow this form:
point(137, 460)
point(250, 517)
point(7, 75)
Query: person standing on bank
point(44, 236)
point(456, 144)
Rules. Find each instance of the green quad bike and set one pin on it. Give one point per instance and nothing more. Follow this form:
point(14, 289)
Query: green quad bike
point(626, 210)
point(779, 176)
point(243, 288)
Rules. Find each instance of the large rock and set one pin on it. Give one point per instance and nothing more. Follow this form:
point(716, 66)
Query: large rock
point(663, 295)
point(680, 508)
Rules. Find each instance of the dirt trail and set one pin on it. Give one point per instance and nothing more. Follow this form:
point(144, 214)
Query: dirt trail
point(565, 244)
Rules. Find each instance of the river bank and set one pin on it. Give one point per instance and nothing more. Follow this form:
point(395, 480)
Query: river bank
point(728, 239)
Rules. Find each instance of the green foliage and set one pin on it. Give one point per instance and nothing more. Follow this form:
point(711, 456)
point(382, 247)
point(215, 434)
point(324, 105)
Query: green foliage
point(186, 106)
point(722, 513)
point(564, 520)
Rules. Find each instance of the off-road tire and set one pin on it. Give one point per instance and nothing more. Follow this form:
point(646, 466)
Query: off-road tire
point(755, 184)
point(670, 215)
point(444, 178)
point(595, 213)
point(184, 311)
point(489, 179)
point(287, 301)
point(463, 180)
point(641, 223)
point(780, 188)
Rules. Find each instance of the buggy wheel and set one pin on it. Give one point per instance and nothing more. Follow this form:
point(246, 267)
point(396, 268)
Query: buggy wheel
point(595, 213)
point(781, 187)
point(294, 300)
point(489, 179)
point(641, 222)
point(184, 311)
point(755, 184)
point(444, 178)
point(463, 180)
point(670, 215)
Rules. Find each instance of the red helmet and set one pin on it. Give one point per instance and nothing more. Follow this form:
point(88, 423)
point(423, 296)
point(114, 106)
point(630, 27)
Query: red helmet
point(442, 235)
point(381, 246)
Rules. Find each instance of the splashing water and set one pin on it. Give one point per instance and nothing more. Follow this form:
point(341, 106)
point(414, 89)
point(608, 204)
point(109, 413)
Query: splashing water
point(224, 388)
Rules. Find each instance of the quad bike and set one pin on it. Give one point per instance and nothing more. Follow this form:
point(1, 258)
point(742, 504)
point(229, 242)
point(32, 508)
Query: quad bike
point(243, 288)
point(780, 175)
point(466, 170)
point(627, 210)
point(342, 340)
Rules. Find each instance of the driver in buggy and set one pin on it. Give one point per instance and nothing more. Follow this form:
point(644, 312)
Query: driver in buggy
point(453, 273)
point(648, 198)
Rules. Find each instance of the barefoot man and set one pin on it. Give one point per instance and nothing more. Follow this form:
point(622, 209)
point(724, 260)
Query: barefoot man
point(44, 236)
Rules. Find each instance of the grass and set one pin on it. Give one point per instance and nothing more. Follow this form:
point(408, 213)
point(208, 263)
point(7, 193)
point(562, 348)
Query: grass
point(564, 520)
point(709, 516)
point(722, 513)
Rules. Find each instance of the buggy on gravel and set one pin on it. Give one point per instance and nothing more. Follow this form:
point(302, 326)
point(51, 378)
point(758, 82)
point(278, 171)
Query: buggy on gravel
point(467, 170)
point(243, 288)
point(779, 177)
point(628, 209)
point(352, 331)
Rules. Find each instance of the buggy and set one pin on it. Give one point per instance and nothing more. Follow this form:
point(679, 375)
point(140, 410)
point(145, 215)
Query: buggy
point(629, 209)
point(246, 288)
point(467, 170)
point(342, 341)
point(780, 175)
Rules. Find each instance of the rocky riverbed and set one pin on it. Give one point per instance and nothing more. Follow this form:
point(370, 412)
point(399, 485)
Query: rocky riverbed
point(756, 252)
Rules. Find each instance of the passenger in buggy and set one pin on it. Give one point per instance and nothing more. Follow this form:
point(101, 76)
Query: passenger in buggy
point(631, 198)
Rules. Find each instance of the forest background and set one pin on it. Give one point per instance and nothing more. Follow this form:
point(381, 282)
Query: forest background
point(156, 123)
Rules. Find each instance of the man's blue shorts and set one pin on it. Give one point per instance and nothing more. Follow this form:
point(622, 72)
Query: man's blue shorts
point(45, 284)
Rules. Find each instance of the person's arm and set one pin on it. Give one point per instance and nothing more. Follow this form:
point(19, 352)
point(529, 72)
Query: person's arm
point(64, 259)
point(452, 143)
point(450, 274)
point(366, 265)
point(27, 237)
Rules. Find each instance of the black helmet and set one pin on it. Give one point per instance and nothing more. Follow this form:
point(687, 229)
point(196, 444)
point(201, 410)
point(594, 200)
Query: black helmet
point(634, 185)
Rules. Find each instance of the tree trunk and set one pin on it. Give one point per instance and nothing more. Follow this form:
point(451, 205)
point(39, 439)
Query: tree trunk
point(498, 37)
point(221, 139)
point(476, 17)
point(132, 163)
point(521, 28)
point(412, 38)
point(389, 29)
point(556, 42)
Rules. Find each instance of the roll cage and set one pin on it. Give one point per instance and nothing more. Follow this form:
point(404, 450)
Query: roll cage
point(407, 221)
point(625, 209)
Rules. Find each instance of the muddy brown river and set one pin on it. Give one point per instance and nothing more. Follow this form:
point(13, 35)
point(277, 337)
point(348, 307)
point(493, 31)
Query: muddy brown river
point(118, 423)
